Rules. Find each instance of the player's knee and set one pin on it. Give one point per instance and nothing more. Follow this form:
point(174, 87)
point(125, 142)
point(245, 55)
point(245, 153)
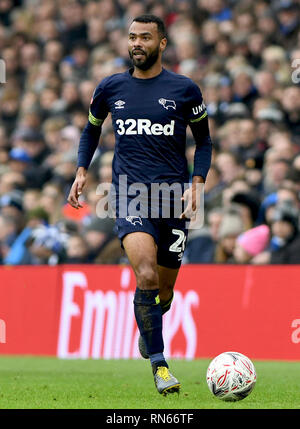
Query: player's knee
point(147, 278)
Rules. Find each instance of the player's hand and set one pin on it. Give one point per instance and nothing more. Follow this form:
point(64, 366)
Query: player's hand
point(189, 197)
point(192, 197)
point(77, 188)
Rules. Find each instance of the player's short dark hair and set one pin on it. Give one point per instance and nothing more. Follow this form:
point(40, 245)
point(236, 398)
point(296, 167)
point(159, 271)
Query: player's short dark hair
point(147, 18)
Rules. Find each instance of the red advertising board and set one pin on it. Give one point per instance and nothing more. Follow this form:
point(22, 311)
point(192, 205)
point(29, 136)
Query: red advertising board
point(86, 311)
point(29, 308)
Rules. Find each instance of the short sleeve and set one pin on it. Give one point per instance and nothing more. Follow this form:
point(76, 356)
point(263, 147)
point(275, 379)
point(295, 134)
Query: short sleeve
point(98, 108)
point(195, 106)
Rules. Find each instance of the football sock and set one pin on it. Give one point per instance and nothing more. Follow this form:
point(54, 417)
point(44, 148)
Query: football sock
point(148, 317)
point(166, 305)
point(158, 359)
point(156, 365)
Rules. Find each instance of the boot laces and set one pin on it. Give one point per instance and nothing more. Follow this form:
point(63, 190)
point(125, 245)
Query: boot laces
point(163, 372)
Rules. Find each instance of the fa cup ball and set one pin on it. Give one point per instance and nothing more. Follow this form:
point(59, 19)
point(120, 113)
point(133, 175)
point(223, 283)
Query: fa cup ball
point(231, 376)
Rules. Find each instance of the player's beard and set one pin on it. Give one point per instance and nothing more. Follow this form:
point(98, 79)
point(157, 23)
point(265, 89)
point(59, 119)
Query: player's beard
point(146, 62)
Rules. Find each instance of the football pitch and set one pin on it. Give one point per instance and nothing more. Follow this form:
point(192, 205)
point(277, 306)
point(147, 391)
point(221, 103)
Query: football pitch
point(50, 383)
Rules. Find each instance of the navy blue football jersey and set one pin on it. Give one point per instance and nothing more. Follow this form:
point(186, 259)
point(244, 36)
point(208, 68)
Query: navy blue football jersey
point(149, 117)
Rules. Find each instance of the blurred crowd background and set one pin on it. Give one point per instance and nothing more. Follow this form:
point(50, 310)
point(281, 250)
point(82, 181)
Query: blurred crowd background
point(244, 56)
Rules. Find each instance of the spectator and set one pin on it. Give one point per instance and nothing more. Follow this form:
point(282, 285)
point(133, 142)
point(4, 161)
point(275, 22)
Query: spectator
point(230, 228)
point(18, 253)
point(251, 243)
point(53, 52)
point(8, 234)
point(18, 160)
point(98, 234)
point(213, 189)
point(229, 166)
point(276, 171)
point(291, 109)
point(31, 199)
point(288, 18)
point(11, 204)
point(11, 180)
point(285, 230)
point(248, 207)
point(201, 243)
point(46, 245)
point(76, 250)
point(265, 83)
point(51, 201)
point(32, 150)
point(285, 241)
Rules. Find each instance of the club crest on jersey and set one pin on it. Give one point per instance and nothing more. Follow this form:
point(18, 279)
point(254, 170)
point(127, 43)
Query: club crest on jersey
point(134, 220)
point(167, 103)
point(119, 104)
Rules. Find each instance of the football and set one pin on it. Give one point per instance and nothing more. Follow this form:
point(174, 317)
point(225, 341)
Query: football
point(231, 376)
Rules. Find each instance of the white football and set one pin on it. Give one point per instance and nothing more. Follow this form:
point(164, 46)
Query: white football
point(231, 376)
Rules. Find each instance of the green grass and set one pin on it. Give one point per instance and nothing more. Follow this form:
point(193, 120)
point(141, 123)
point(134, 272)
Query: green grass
point(47, 383)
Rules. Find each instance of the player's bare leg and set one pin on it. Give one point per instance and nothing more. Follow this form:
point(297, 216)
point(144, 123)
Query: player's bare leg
point(141, 251)
point(167, 280)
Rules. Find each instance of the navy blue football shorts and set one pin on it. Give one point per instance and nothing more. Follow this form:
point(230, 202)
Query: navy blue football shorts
point(170, 236)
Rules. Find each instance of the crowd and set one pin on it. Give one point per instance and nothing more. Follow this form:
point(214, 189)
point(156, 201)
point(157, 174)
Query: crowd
point(244, 56)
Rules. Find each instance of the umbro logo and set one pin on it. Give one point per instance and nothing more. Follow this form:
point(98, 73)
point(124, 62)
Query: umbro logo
point(167, 103)
point(119, 104)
